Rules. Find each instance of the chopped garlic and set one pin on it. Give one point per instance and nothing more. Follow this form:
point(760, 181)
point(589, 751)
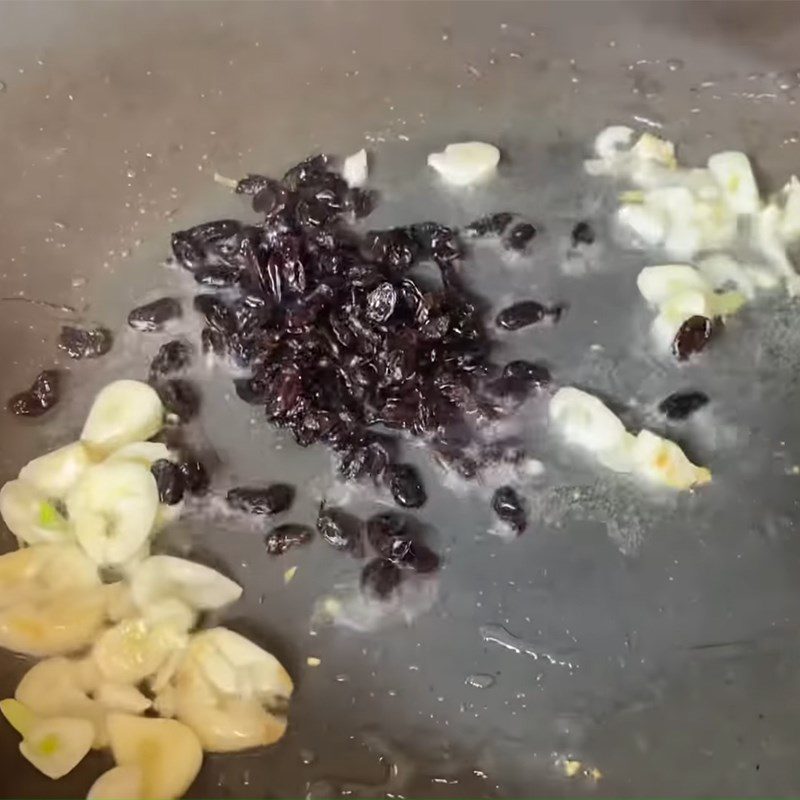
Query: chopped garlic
point(632, 197)
point(313, 661)
point(356, 168)
point(465, 163)
point(572, 767)
point(768, 239)
point(721, 270)
point(734, 174)
point(687, 211)
point(223, 181)
point(664, 462)
point(659, 283)
point(289, 574)
point(652, 148)
point(585, 421)
point(679, 292)
point(649, 224)
point(790, 215)
point(613, 140)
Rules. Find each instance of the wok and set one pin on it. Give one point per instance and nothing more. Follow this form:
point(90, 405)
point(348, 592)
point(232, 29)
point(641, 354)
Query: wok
point(659, 639)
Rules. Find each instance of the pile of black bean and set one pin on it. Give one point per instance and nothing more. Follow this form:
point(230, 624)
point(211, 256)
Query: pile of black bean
point(339, 338)
point(350, 338)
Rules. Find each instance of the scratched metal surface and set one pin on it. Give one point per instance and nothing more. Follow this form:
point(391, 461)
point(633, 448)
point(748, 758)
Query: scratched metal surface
point(656, 639)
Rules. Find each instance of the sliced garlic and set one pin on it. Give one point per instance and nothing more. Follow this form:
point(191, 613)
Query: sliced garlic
point(658, 284)
point(57, 745)
point(613, 140)
point(33, 572)
point(466, 163)
point(57, 623)
point(768, 240)
point(678, 205)
point(172, 612)
point(223, 180)
point(230, 692)
point(119, 602)
point(118, 783)
point(167, 752)
point(734, 174)
point(790, 213)
point(648, 224)
point(198, 586)
point(619, 457)
point(652, 148)
point(58, 687)
point(663, 462)
point(586, 422)
point(132, 650)
point(160, 680)
point(53, 687)
point(692, 211)
point(223, 722)
point(164, 516)
point(124, 411)
point(355, 169)
point(650, 161)
point(18, 715)
point(235, 665)
point(680, 291)
point(122, 697)
point(722, 270)
point(689, 303)
point(55, 473)
point(30, 515)
point(113, 509)
point(165, 702)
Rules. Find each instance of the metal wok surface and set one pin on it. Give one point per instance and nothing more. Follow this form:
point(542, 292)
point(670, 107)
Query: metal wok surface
point(664, 633)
